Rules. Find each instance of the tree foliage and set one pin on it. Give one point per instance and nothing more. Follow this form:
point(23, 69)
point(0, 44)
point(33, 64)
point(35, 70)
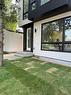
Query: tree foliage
point(9, 15)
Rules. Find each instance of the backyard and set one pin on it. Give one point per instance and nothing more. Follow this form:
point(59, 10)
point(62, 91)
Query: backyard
point(30, 76)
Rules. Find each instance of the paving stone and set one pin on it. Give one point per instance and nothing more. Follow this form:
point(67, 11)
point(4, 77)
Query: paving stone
point(42, 63)
point(51, 70)
point(26, 69)
point(30, 63)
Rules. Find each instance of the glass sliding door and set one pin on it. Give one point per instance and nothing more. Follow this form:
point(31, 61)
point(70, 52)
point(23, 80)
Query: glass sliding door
point(52, 35)
point(28, 40)
point(67, 34)
point(56, 35)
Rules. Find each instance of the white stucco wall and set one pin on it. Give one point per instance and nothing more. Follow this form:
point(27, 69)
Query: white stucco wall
point(37, 41)
point(20, 12)
point(13, 42)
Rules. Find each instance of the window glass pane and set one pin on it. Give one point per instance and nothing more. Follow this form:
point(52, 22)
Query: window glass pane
point(53, 37)
point(67, 47)
point(25, 15)
point(52, 32)
point(68, 29)
point(44, 1)
point(57, 47)
point(26, 2)
point(34, 6)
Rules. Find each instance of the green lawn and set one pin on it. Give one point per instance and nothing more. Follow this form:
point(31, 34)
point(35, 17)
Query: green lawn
point(29, 76)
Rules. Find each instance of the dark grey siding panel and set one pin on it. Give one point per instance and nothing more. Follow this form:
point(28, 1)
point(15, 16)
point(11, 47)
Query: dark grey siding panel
point(53, 7)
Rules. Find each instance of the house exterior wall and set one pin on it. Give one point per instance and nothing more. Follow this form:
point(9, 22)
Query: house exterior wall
point(13, 42)
point(48, 9)
point(64, 56)
point(40, 15)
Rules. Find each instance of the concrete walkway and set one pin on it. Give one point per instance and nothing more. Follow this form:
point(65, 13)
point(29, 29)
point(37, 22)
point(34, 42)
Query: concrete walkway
point(11, 56)
point(14, 56)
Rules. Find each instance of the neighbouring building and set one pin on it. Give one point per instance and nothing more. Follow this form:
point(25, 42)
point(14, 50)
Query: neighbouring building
point(47, 28)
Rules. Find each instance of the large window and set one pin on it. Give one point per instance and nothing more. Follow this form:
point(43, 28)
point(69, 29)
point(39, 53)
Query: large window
point(56, 35)
point(33, 4)
point(25, 8)
point(44, 1)
point(67, 30)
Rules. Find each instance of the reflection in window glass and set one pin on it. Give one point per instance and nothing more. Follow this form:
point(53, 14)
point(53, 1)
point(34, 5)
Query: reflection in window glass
point(56, 35)
point(26, 3)
point(52, 32)
point(57, 47)
point(68, 29)
point(25, 15)
point(68, 23)
point(34, 6)
point(68, 35)
point(44, 1)
point(67, 47)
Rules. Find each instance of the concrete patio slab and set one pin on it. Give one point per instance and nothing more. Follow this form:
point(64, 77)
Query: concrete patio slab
point(11, 56)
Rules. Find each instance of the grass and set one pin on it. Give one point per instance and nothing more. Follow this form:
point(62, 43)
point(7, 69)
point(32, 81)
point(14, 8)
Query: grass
point(29, 76)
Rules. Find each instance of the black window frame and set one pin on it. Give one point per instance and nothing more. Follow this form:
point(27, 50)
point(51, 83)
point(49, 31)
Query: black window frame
point(25, 13)
point(63, 36)
point(31, 1)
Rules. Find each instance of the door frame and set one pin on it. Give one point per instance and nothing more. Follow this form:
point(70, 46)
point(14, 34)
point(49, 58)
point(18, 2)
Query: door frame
point(25, 35)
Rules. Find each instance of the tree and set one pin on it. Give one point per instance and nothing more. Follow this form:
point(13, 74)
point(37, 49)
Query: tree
point(9, 16)
point(6, 16)
point(2, 6)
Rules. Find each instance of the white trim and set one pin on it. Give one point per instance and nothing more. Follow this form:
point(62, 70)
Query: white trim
point(24, 22)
